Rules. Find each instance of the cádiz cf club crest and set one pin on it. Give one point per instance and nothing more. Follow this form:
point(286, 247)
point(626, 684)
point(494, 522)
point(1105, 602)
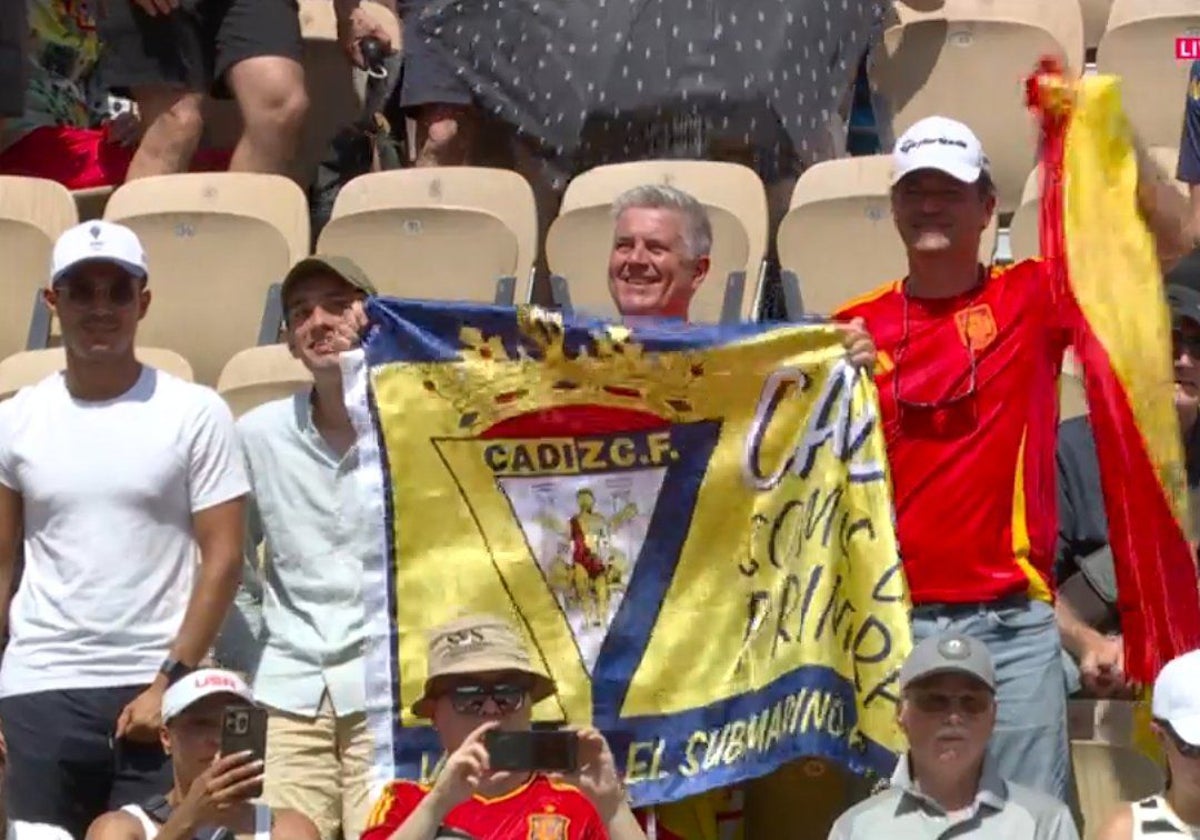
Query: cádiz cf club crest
point(581, 480)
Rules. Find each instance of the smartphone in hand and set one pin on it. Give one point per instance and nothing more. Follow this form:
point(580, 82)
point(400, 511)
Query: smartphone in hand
point(244, 727)
point(549, 751)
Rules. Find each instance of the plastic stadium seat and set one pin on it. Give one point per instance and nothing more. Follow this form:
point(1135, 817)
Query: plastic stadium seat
point(407, 229)
point(335, 89)
point(838, 239)
point(33, 213)
point(31, 366)
point(1139, 46)
point(580, 239)
point(215, 243)
point(1095, 20)
point(1108, 767)
point(1023, 233)
point(968, 59)
point(261, 374)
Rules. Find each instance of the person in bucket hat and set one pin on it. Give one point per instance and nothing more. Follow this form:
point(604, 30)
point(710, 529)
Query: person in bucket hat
point(481, 678)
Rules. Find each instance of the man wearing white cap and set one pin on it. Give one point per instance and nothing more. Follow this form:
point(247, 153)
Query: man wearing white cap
point(1175, 813)
point(211, 791)
point(113, 474)
point(968, 363)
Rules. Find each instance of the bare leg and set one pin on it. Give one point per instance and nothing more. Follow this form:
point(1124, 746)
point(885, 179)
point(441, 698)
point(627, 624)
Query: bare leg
point(271, 96)
point(445, 135)
point(173, 122)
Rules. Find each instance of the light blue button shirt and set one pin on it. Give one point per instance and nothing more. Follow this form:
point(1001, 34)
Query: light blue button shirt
point(297, 625)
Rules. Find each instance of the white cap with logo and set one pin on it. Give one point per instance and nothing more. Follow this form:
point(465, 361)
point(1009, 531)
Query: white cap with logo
point(1177, 696)
point(939, 143)
point(97, 241)
point(200, 684)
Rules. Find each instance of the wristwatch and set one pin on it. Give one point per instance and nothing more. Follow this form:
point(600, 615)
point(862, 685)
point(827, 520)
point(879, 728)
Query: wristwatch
point(174, 670)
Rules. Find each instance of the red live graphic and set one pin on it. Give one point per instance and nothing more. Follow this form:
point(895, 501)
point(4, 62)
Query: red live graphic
point(1187, 48)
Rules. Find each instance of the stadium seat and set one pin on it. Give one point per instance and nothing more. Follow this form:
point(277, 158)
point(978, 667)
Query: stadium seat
point(1023, 233)
point(335, 89)
point(33, 213)
point(407, 228)
point(1139, 46)
point(734, 196)
point(838, 240)
point(261, 374)
point(1095, 21)
point(215, 243)
point(1109, 768)
point(967, 59)
point(31, 366)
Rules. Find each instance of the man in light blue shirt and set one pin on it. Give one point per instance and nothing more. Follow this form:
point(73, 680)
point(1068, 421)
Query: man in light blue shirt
point(301, 597)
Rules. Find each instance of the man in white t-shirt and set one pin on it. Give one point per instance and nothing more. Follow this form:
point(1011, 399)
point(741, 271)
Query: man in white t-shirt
point(114, 474)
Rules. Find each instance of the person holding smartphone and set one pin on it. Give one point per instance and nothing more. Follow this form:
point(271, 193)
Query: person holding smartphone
point(502, 780)
point(213, 793)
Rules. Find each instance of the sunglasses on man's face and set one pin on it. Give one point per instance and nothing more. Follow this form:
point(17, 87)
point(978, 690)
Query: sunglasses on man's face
point(82, 292)
point(940, 703)
point(1186, 749)
point(472, 698)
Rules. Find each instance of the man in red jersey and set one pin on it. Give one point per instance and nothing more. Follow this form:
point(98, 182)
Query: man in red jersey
point(481, 678)
point(969, 360)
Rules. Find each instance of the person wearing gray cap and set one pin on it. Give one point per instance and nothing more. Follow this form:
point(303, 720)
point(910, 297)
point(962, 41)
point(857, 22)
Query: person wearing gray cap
point(297, 625)
point(946, 785)
point(1087, 606)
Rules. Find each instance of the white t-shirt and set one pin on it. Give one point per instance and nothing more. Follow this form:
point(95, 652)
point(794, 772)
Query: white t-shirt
point(18, 830)
point(109, 489)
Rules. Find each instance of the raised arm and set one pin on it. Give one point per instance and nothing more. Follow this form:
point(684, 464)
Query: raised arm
point(1166, 212)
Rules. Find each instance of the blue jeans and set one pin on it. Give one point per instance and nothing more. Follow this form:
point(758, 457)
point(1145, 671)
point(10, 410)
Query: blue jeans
point(1030, 745)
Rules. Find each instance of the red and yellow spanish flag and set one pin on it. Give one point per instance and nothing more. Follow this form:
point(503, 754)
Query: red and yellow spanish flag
point(1091, 226)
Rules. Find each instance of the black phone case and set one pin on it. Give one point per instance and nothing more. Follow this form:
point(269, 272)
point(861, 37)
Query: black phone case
point(244, 727)
point(549, 751)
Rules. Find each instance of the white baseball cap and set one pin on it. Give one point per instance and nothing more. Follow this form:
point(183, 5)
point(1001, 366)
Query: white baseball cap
point(939, 143)
point(200, 684)
point(97, 241)
point(1177, 696)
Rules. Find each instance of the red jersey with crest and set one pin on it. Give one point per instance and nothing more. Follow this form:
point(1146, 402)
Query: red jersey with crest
point(972, 454)
point(538, 810)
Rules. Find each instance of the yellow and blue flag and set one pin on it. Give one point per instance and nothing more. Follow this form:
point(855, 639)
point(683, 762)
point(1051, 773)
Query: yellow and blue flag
point(690, 526)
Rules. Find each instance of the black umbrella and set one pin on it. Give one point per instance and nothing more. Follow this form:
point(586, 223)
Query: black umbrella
point(598, 81)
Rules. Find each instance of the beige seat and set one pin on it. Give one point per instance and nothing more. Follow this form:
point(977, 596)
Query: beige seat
point(407, 228)
point(838, 238)
point(967, 59)
point(335, 89)
point(1109, 769)
point(1139, 46)
point(31, 366)
point(729, 187)
point(33, 213)
point(215, 243)
point(1023, 233)
point(1095, 20)
point(261, 374)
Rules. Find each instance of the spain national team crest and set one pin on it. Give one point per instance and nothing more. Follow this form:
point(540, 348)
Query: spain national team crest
point(547, 827)
point(976, 326)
